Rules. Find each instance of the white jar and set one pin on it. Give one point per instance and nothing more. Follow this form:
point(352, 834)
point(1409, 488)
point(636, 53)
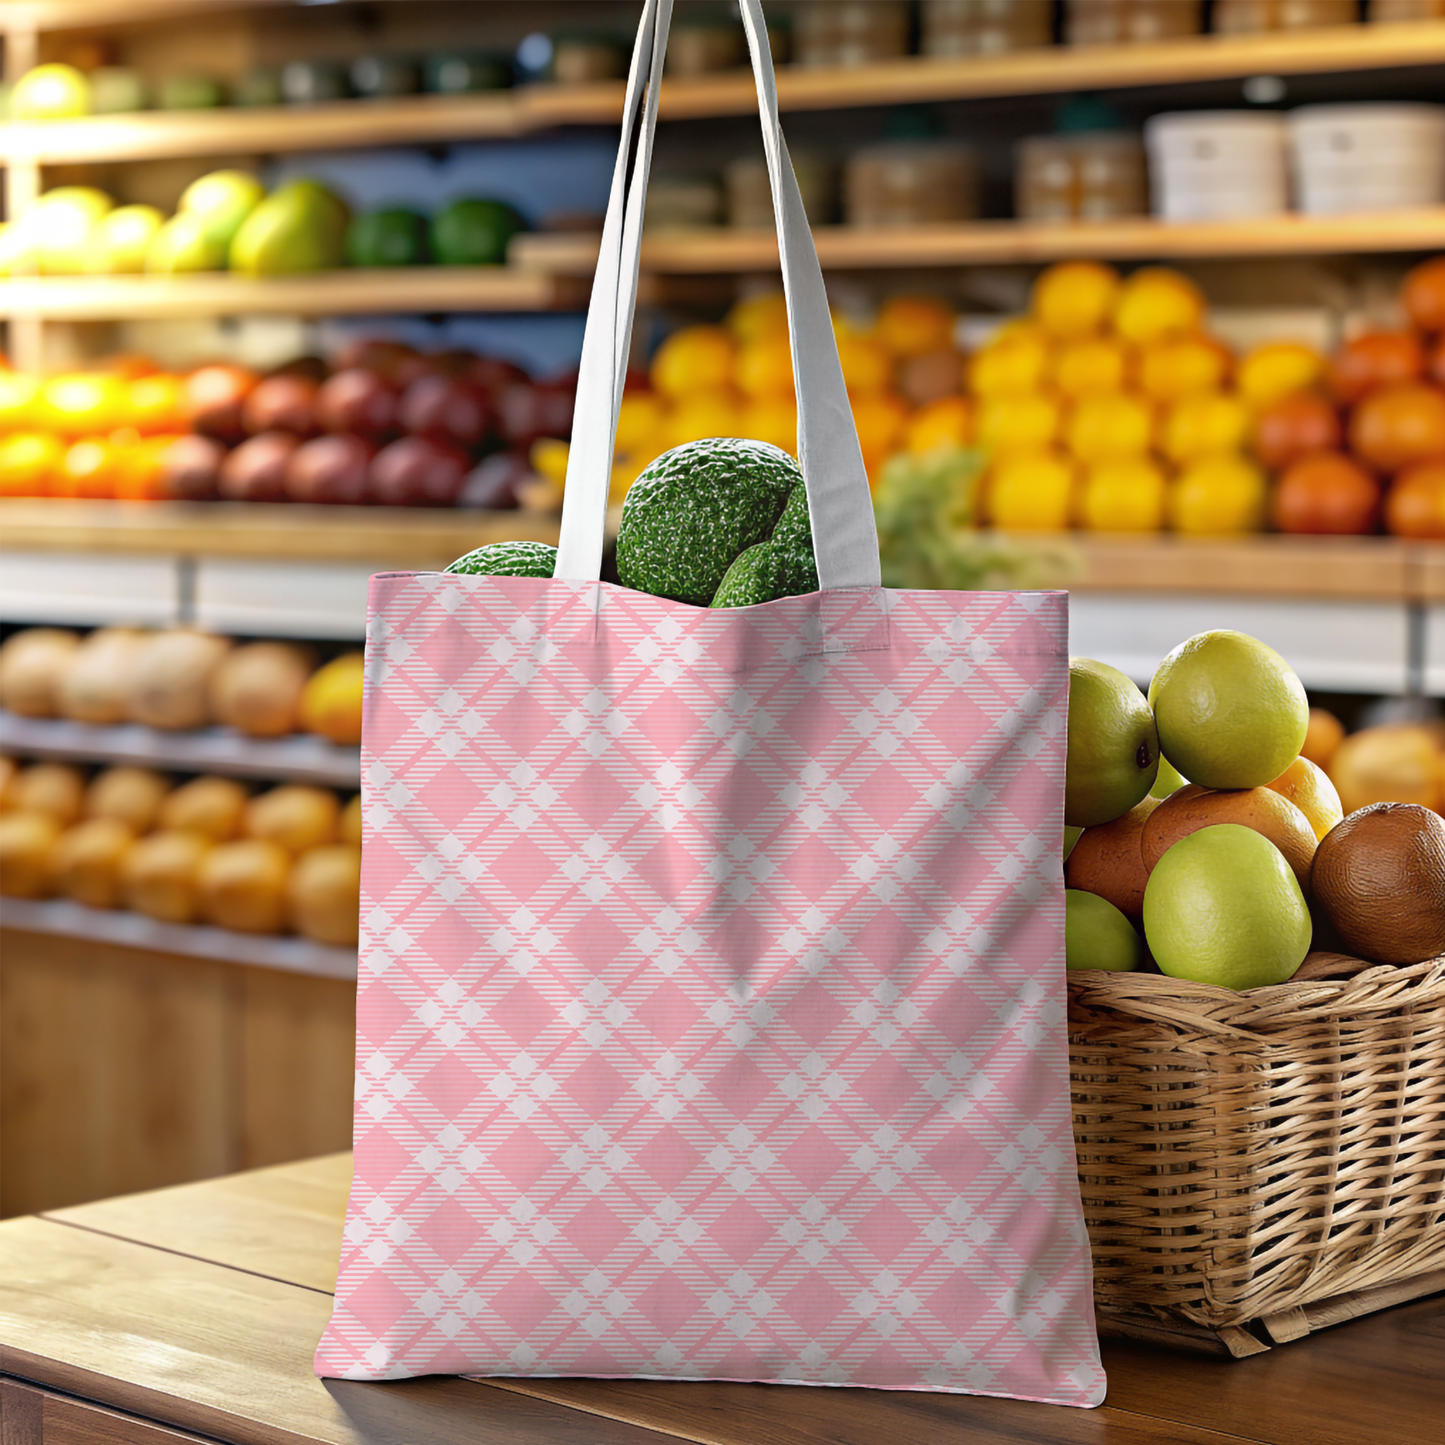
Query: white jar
point(1367, 157)
point(1217, 165)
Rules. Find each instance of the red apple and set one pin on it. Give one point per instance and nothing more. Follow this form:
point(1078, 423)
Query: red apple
point(374, 354)
point(493, 374)
point(191, 468)
point(446, 408)
point(256, 470)
point(329, 469)
point(358, 401)
point(418, 472)
point(282, 403)
point(530, 410)
point(215, 397)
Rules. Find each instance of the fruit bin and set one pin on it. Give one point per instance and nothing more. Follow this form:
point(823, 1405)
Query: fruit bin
point(1258, 1165)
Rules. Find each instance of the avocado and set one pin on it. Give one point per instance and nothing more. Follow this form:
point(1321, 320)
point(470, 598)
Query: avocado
point(783, 566)
point(509, 559)
point(474, 231)
point(392, 236)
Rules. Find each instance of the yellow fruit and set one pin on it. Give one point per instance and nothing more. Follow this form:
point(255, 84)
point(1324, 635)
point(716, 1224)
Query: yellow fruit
point(758, 317)
point(349, 829)
point(295, 816)
point(19, 401)
point(772, 419)
point(323, 894)
point(1095, 364)
point(26, 841)
point(243, 886)
point(1278, 369)
point(158, 875)
point(50, 92)
point(867, 364)
point(86, 861)
point(621, 478)
point(1218, 495)
point(639, 423)
point(213, 807)
point(1012, 423)
point(915, 325)
point(700, 415)
point(1018, 359)
point(1075, 298)
point(1123, 494)
point(1156, 302)
point(1393, 763)
point(1111, 424)
point(331, 700)
point(1181, 366)
point(549, 457)
point(765, 367)
point(1326, 733)
point(947, 422)
point(1031, 492)
point(1310, 790)
point(697, 358)
point(879, 418)
point(1204, 425)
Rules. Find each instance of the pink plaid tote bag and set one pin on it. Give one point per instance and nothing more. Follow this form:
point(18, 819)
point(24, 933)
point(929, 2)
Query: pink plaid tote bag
point(710, 1021)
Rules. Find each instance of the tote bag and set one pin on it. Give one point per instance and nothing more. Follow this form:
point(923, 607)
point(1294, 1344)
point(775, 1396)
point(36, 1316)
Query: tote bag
point(710, 1016)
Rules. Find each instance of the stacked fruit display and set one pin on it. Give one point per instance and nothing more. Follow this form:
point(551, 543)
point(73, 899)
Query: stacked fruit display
point(383, 424)
point(288, 859)
point(1400, 762)
point(181, 680)
point(1230, 879)
point(227, 221)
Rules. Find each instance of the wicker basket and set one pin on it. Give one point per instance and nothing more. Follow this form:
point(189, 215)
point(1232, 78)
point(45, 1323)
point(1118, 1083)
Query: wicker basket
point(1274, 1158)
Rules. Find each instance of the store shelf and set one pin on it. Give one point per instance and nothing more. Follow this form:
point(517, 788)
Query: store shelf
point(298, 759)
point(414, 120)
point(64, 919)
point(330, 293)
point(1004, 243)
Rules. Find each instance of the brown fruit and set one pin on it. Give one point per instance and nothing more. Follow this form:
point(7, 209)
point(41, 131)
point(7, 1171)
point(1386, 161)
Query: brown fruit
point(257, 688)
point(1392, 763)
point(932, 376)
point(323, 894)
point(95, 688)
point(158, 876)
point(26, 840)
point(243, 886)
point(1109, 861)
point(171, 678)
point(132, 795)
point(213, 807)
point(56, 789)
point(1270, 815)
point(1380, 879)
point(33, 664)
point(294, 816)
point(85, 862)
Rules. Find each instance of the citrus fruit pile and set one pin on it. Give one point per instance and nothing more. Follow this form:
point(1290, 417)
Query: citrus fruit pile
point(1231, 878)
point(1398, 762)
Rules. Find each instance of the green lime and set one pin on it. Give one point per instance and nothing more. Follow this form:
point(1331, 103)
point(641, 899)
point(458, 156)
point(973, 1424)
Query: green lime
point(390, 237)
point(1113, 747)
point(1223, 907)
point(508, 559)
point(1231, 712)
point(474, 232)
point(1097, 935)
point(1169, 780)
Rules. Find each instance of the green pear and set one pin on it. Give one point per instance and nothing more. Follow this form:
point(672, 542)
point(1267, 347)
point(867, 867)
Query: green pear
point(222, 200)
point(184, 244)
point(122, 239)
point(300, 227)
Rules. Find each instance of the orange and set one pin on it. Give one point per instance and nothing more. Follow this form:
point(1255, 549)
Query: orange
point(867, 364)
point(1422, 294)
point(1376, 359)
point(947, 422)
point(697, 358)
point(82, 403)
point(1326, 494)
point(879, 417)
point(1018, 358)
point(19, 397)
point(1180, 366)
point(1217, 496)
point(765, 367)
point(1415, 503)
point(757, 317)
point(29, 463)
point(915, 325)
point(1292, 427)
point(1200, 426)
point(1023, 422)
point(1111, 424)
point(1095, 364)
point(331, 700)
point(639, 425)
point(157, 404)
point(1031, 492)
point(88, 469)
point(700, 415)
point(1156, 302)
point(1323, 737)
point(624, 473)
point(772, 419)
point(1310, 790)
point(1399, 424)
point(1278, 369)
point(1075, 298)
point(140, 471)
point(1123, 494)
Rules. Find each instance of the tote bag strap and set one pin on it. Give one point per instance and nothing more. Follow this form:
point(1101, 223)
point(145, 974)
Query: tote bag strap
point(845, 539)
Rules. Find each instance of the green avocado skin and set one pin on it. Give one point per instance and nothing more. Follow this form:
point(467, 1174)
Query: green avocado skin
point(474, 232)
point(783, 566)
point(393, 236)
point(508, 559)
point(695, 509)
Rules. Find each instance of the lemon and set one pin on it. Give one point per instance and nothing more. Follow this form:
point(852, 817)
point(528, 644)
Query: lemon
point(1230, 711)
point(1075, 298)
point(1156, 302)
point(697, 358)
point(50, 92)
point(1014, 423)
point(1204, 425)
point(1018, 359)
point(1218, 496)
point(1223, 907)
point(1113, 745)
point(1031, 492)
point(1109, 424)
point(1097, 935)
point(1093, 364)
point(1123, 494)
point(1278, 369)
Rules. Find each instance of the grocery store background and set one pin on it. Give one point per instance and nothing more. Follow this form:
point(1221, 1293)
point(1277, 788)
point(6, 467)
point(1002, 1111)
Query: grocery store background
point(226, 405)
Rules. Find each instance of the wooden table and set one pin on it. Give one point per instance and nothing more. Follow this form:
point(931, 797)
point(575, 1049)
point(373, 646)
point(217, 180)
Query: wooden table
point(193, 1312)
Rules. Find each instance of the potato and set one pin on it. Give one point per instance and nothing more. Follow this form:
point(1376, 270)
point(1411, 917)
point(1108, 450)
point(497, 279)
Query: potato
point(85, 862)
point(212, 807)
point(25, 843)
point(159, 876)
point(331, 703)
point(323, 894)
point(243, 886)
point(257, 688)
point(171, 679)
point(54, 788)
point(295, 816)
point(32, 665)
point(134, 795)
point(348, 830)
point(96, 686)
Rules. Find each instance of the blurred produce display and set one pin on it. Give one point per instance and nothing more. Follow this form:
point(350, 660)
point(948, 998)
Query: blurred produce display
point(1388, 763)
point(177, 680)
point(286, 860)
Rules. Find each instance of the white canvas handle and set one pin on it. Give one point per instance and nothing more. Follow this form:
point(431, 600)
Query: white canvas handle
point(845, 539)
